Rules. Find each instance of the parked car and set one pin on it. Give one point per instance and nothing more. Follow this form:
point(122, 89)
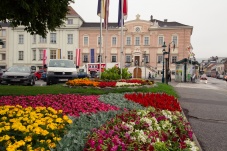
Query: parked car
point(82, 74)
point(19, 75)
point(38, 74)
point(1, 73)
point(225, 77)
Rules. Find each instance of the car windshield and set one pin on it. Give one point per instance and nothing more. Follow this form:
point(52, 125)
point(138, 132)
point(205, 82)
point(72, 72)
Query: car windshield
point(61, 63)
point(19, 69)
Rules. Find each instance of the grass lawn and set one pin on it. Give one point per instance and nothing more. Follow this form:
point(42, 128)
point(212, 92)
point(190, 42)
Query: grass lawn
point(60, 89)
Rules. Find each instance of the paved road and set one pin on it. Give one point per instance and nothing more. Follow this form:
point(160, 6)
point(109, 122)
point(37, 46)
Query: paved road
point(205, 106)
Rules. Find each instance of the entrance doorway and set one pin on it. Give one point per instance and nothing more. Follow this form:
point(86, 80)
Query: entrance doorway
point(137, 61)
point(137, 72)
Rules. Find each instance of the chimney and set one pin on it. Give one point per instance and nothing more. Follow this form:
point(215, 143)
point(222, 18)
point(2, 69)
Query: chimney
point(165, 20)
point(151, 18)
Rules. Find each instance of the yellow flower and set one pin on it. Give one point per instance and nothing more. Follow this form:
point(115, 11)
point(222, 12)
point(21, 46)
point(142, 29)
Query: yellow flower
point(4, 118)
point(28, 139)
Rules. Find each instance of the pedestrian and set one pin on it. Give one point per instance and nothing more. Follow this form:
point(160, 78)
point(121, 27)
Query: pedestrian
point(169, 75)
point(149, 75)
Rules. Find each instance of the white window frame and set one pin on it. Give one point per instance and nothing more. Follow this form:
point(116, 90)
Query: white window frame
point(112, 58)
point(175, 39)
point(34, 39)
point(85, 40)
point(85, 57)
point(160, 40)
point(137, 41)
point(21, 55)
point(146, 58)
point(3, 56)
point(3, 32)
point(128, 40)
point(98, 39)
point(53, 38)
point(21, 39)
point(53, 54)
point(42, 40)
point(33, 54)
point(70, 38)
point(114, 41)
point(70, 55)
point(128, 58)
point(40, 54)
point(159, 59)
point(173, 59)
point(146, 40)
point(70, 21)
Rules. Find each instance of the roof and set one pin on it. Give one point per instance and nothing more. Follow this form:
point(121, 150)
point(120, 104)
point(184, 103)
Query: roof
point(72, 12)
point(115, 24)
point(185, 60)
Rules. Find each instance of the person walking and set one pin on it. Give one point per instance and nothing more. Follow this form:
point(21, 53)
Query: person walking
point(169, 75)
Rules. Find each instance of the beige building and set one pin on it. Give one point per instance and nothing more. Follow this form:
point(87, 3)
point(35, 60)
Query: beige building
point(142, 44)
point(4, 35)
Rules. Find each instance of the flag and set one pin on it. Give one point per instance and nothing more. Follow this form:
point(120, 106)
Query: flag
point(125, 12)
point(106, 17)
point(101, 8)
point(44, 57)
point(77, 58)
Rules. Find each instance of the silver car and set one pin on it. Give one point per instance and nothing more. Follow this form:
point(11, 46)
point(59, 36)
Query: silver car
point(19, 75)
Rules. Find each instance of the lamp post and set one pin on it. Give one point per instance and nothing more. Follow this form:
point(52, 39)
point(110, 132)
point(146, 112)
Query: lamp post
point(144, 61)
point(136, 68)
point(163, 69)
point(167, 60)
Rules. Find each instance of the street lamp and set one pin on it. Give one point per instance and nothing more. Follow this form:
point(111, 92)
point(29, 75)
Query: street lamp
point(144, 61)
point(167, 61)
point(163, 69)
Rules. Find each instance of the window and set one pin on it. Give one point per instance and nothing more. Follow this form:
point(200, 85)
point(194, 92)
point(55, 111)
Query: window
point(137, 41)
point(99, 41)
point(85, 41)
point(146, 58)
point(70, 55)
point(53, 38)
point(34, 39)
point(21, 55)
point(33, 54)
point(114, 59)
point(3, 32)
point(174, 59)
point(128, 58)
point(21, 39)
point(160, 59)
point(53, 54)
point(128, 40)
point(42, 40)
point(3, 55)
point(70, 38)
point(146, 40)
point(99, 57)
point(70, 21)
point(85, 58)
point(40, 54)
point(4, 44)
point(160, 40)
point(137, 29)
point(114, 41)
point(175, 40)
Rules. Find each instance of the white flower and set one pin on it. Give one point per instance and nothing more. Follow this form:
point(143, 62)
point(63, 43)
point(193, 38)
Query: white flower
point(119, 84)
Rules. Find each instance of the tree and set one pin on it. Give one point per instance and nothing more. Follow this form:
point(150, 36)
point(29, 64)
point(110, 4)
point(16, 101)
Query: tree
point(38, 16)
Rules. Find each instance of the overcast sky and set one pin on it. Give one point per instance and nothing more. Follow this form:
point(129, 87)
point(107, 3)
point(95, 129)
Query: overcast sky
point(208, 18)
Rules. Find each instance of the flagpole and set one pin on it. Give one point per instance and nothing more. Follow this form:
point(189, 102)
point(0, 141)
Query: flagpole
point(100, 42)
point(106, 24)
point(121, 35)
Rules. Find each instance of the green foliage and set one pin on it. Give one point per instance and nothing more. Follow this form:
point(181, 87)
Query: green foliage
point(81, 127)
point(37, 15)
point(118, 100)
point(115, 74)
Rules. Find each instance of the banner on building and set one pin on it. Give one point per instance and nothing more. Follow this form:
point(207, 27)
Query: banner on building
point(59, 53)
point(77, 58)
point(92, 56)
point(44, 57)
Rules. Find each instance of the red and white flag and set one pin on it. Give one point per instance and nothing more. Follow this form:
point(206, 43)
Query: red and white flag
point(106, 16)
point(77, 58)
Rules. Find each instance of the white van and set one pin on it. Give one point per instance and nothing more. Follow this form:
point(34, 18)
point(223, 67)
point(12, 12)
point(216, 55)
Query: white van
point(60, 70)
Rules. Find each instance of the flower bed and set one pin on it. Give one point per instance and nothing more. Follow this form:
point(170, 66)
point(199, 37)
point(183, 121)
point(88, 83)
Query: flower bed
point(103, 84)
point(97, 121)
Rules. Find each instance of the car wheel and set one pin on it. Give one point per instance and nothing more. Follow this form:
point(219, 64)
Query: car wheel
point(32, 82)
point(47, 82)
